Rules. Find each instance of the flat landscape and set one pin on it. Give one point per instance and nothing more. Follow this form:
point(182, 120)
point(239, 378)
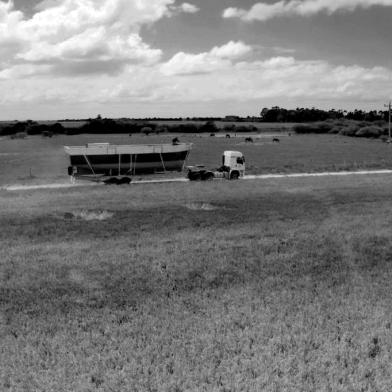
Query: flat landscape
point(278, 285)
point(42, 160)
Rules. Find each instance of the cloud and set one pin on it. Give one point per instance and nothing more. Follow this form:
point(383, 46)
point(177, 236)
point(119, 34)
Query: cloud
point(217, 58)
point(275, 78)
point(74, 35)
point(265, 11)
point(80, 54)
point(186, 8)
point(189, 8)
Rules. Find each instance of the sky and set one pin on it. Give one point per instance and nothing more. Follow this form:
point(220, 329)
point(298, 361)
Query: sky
point(167, 58)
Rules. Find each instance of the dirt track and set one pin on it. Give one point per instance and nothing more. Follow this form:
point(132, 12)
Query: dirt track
point(247, 177)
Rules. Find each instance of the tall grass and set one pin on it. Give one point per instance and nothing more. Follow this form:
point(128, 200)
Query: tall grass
point(282, 286)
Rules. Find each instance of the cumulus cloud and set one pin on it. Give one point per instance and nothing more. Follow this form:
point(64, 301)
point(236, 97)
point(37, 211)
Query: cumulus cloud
point(224, 79)
point(41, 55)
point(217, 58)
point(265, 11)
point(186, 8)
point(282, 77)
point(74, 35)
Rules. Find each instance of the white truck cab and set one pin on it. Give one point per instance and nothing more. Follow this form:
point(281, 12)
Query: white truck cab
point(233, 168)
point(235, 162)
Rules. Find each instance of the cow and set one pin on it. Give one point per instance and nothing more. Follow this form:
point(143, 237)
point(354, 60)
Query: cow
point(248, 140)
point(175, 141)
point(228, 136)
point(275, 140)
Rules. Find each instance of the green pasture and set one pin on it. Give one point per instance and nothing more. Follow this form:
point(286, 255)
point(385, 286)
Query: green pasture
point(278, 285)
point(36, 159)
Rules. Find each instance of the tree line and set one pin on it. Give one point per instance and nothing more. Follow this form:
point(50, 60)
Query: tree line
point(301, 115)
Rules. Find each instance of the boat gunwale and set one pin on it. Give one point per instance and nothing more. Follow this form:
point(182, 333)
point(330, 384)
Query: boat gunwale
point(112, 149)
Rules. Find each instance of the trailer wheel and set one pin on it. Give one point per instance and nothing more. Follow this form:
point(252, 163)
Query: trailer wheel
point(208, 177)
point(111, 181)
point(234, 175)
point(124, 180)
point(194, 176)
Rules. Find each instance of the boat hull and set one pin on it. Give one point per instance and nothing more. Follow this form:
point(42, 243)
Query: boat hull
point(112, 160)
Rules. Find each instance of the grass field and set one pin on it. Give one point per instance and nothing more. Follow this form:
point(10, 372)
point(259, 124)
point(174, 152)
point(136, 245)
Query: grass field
point(40, 160)
point(247, 286)
point(262, 127)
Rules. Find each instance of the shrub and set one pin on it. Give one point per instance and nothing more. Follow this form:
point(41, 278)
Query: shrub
point(380, 123)
point(19, 135)
point(47, 133)
point(370, 131)
point(161, 129)
point(209, 126)
point(146, 130)
point(229, 128)
point(184, 128)
point(321, 127)
point(335, 130)
point(349, 130)
point(246, 128)
point(301, 129)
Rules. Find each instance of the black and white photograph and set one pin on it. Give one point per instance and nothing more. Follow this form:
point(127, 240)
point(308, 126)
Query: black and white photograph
point(195, 196)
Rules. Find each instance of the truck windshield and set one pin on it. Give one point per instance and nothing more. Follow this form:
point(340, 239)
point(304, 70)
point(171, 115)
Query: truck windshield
point(240, 160)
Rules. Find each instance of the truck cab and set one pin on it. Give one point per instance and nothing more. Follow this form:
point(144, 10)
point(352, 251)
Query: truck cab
point(233, 162)
point(233, 168)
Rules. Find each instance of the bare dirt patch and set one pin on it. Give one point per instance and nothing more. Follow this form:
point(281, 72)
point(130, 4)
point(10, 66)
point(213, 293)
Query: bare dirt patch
point(89, 215)
point(201, 206)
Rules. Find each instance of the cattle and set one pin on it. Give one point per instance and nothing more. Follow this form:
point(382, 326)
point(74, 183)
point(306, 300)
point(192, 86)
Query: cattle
point(248, 140)
point(175, 141)
point(228, 136)
point(275, 140)
point(212, 134)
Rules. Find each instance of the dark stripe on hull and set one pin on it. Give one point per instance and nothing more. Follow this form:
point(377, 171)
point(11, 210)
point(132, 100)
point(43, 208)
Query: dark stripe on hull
point(138, 164)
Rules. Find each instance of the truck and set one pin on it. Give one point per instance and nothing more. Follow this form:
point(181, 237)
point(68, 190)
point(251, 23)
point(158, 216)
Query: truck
point(233, 168)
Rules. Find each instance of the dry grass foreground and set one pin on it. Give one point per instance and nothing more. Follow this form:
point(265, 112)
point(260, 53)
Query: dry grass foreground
point(276, 286)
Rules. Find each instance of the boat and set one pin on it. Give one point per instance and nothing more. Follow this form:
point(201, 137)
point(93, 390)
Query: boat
point(108, 160)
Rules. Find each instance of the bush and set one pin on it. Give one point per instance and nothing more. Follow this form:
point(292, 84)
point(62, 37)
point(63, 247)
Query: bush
point(302, 129)
point(245, 129)
point(146, 130)
point(229, 128)
point(350, 130)
point(161, 129)
point(209, 126)
point(321, 127)
point(370, 131)
point(19, 135)
point(379, 123)
point(184, 128)
point(335, 130)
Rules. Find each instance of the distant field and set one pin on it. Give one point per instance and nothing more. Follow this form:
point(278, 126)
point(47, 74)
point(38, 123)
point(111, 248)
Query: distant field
point(39, 160)
point(221, 124)
point(66, 124)
point(246, 286)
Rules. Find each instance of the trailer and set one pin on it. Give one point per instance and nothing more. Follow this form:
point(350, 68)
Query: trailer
point(117, 164)
point(233, 168)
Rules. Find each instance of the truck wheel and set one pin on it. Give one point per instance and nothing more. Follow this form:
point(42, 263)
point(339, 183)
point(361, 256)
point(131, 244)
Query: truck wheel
point(234, 175)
